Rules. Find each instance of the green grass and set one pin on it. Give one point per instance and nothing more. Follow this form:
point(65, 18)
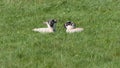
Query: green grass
point(98, 46)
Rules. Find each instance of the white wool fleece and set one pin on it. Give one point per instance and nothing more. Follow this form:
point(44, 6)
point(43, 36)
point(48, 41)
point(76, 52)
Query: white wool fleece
point(71, 29)
point(45, 30)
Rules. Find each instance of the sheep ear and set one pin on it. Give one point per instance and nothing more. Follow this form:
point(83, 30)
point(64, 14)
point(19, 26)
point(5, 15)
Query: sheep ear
point(73, 24)
point(55, 21)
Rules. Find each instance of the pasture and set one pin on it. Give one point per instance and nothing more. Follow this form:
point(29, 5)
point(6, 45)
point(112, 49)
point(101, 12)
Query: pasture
point(98, 46)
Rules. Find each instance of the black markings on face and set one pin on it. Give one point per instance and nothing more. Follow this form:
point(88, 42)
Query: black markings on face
point(52, 22)
point(69, 23)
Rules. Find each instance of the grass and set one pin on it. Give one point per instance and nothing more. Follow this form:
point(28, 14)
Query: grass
point(98, 46)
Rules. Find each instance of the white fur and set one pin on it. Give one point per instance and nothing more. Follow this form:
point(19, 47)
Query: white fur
point(71, 29)
point(45, 30)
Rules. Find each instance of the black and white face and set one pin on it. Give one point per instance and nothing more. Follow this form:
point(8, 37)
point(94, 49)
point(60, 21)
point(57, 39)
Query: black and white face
point(69, 25)
point(52, 22)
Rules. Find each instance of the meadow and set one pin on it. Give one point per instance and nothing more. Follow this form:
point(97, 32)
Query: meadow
point(98, 46)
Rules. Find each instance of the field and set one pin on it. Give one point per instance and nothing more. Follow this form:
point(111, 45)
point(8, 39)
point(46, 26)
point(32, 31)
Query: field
point(98, 46)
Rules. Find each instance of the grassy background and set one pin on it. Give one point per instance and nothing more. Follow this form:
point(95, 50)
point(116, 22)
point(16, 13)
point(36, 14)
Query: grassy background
point(98, 46)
